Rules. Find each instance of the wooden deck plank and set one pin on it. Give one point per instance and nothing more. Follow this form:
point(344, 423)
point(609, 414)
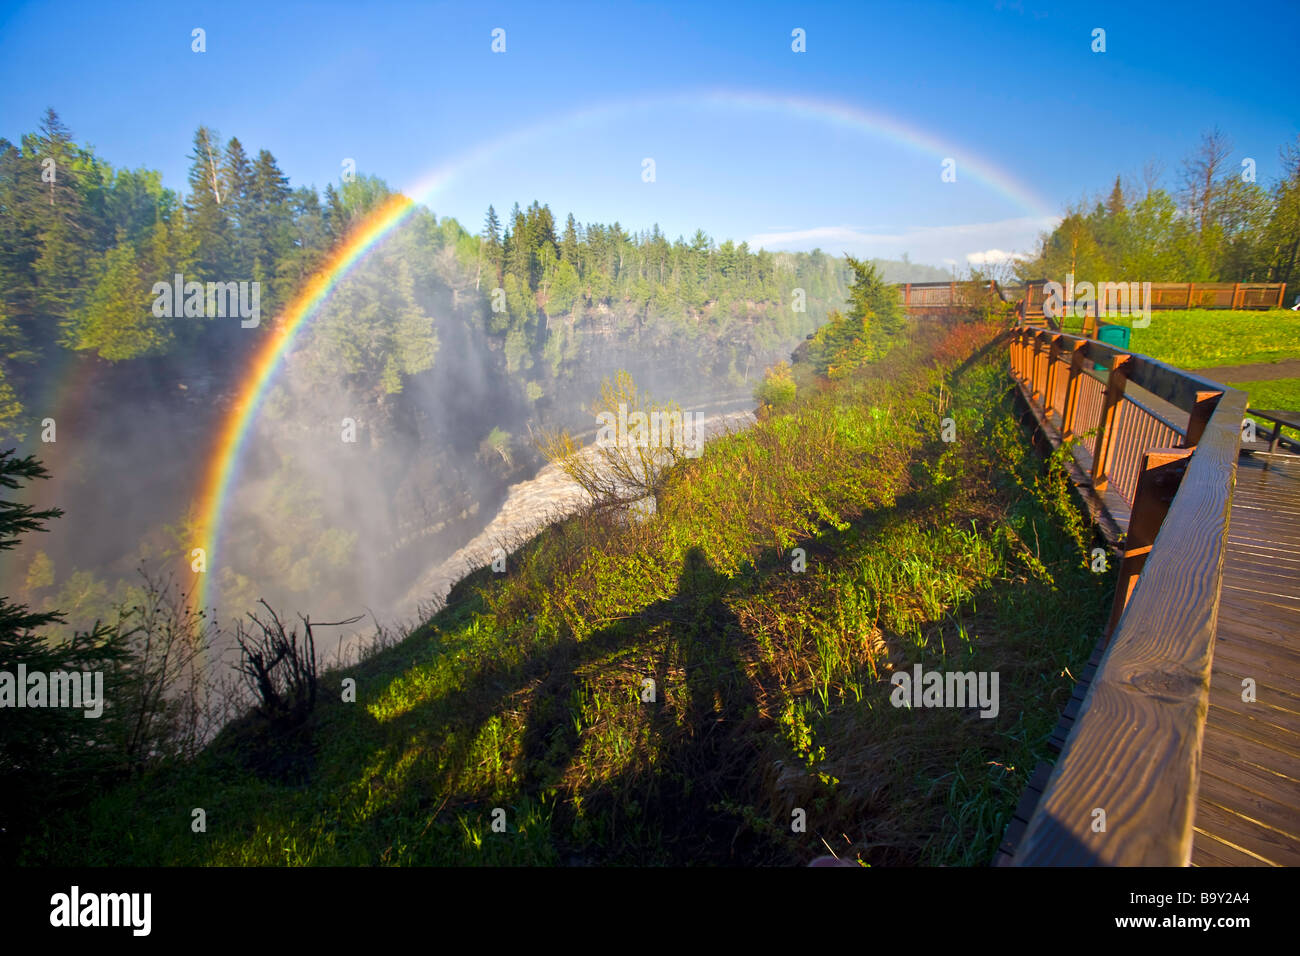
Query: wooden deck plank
point(1273, 785)
point(1272, 712)
point(1248, 642)
point(1285, 746)
point(1238, 829)
point(1273, 689)
point(1209, 850)
point(1270, 579)
point(1248, 797)
point(1247, 627)
point(1246, 752)
point(1261, 657)
point(1263, 551)
point(1255, 598)
point(1265, 808)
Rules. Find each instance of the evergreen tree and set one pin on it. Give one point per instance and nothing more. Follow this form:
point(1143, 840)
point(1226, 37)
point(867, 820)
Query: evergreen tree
point(1115, 204)
point(63, 230)
point(491, 237)
point(492, 227)
point(270, 225)
point(207, 219)
point(46, 753)
point(336, 224)
point(118, 321)
point(569, 243)
point(564, 290)
point(236, 176)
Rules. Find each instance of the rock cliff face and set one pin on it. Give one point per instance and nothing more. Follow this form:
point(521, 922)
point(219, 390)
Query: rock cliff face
point(329, 527)
point(425, 492)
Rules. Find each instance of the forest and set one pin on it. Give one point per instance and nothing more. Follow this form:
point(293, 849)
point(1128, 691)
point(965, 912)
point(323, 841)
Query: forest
point(82, 243)
point(1216, 223)
point(448, 345)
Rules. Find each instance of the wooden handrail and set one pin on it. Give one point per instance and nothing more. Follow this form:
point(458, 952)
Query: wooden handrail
point(1200, 295)
point(1124, 789)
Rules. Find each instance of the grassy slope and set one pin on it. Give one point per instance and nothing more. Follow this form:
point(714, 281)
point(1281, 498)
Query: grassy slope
point(1278, 393)
point(1274, 393)
point(1204, 338)
point(772, 689)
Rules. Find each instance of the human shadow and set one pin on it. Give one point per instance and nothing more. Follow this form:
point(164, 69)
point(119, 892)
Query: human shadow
point(702, 708)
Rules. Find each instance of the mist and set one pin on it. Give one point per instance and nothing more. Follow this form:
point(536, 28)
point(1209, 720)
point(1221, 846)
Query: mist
point(350, 499)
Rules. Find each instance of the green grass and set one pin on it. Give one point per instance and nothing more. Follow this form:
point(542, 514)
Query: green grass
point(1272, 395)
point(772, 690)
point(1283, 393)
point(1205, 338)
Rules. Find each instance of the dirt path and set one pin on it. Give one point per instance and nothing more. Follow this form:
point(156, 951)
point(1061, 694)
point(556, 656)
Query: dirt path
point(1261, 372)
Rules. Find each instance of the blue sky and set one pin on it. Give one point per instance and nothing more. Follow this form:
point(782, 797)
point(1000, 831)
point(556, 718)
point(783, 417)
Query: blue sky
point(748, 137)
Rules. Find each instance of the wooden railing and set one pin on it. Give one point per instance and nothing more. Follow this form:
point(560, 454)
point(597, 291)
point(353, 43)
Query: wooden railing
point(944, 298)
point(1184, 295)
point(1156, 459)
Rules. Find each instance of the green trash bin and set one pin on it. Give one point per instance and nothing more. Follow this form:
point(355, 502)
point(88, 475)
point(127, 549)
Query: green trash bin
point(1113, 335)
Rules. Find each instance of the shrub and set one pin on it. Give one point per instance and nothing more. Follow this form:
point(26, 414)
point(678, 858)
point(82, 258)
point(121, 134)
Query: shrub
point(777, 389)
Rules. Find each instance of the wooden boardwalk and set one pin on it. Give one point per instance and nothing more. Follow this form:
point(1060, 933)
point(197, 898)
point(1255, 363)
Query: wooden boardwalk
point(1248, 799)
point(1181, 743)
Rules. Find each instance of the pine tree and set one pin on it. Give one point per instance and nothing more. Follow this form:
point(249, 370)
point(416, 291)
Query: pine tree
point(490, 246)
point(207, 219)
point(569, 242)
point(269, 231)
point(46, 753)
point(236, 176)
point(63, 229)
point(518, 252)
point(492, 227)
point(1115, 204)
point(336, 220)
point(118, 321)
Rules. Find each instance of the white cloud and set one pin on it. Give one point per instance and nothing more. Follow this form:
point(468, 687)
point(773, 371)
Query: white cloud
point(993, 256)
point(965, 242)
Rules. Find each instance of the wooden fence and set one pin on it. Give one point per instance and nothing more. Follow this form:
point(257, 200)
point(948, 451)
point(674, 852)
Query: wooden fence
point(948, 298)
point(1185, 295)
point(1156, 461)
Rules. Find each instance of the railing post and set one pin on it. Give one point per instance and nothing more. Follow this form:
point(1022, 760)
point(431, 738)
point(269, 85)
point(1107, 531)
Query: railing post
point(1071, 410)
point(1111, 410)
point(1162, 472)
point(1035, 383)
point(1236, 295)
point(1053, 354)
point(1200, 416)
point(1191, 288)
point(1281, 294)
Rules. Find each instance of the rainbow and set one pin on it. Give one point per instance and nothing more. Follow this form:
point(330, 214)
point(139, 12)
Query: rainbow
point(223, 464)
